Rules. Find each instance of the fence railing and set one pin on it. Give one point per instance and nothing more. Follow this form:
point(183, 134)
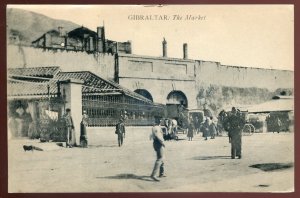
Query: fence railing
point(107, 110)
point(106, 122)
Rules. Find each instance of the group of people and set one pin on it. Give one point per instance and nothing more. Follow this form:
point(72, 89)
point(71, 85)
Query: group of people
point(233, 124)
point(70, 129)
point(208, 127)
point(277, 123)
point(170, 127)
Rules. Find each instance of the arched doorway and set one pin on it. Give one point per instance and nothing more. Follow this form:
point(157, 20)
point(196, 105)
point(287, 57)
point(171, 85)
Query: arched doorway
point(177, 98)
point(176, 103)
point(144, 93)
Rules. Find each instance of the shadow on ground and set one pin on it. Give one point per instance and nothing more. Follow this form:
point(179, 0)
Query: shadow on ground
point(99, 146)
point(272, 166)
point(211, 157)
point(172, 140)
point(128, 176)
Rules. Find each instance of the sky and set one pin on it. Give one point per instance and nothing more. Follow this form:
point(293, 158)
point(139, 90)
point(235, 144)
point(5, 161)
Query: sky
point(259, 36)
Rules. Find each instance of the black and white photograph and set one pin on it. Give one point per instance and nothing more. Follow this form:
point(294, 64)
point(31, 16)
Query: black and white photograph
point(150, 98)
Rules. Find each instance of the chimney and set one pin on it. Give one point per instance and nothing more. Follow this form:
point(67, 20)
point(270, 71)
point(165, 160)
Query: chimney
point(185, 51)
point(91, 44)
point(66, 41)
point(100, 33)
point(101, 39)
point(164, 43)
point(128, 47)
point(60, 30)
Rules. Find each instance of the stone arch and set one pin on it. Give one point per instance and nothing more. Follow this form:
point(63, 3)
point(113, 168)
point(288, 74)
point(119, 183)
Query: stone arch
point(177, 98)
point(144, 93)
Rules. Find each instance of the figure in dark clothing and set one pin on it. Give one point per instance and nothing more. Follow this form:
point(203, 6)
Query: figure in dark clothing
point(190, 133)
point(120, 131)
point(221, 119)
point(205, 128)
point(197, 124)
point(83, 134)
point(235, 125)
point(70, 128)
point(212, 129)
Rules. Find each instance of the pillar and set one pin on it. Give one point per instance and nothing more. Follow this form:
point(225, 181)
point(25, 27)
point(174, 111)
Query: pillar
point(72, 94)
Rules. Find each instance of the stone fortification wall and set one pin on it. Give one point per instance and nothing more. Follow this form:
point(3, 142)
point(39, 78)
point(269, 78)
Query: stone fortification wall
point(160, 89)
point(133, 66)
point(222, 86)
point(159, 76)
point(214, 73)
point(100, 64)
point(198, 80)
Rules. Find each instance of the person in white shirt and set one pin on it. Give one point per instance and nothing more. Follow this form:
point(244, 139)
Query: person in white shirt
point(158, 145)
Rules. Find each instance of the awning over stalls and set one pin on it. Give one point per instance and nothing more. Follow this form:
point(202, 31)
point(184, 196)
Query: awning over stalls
point(278, 103)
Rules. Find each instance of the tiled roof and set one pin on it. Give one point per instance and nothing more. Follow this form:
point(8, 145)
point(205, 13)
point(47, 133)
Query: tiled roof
point(27, 88)
point(45, 72)
point(94, 83)
point(20, 83)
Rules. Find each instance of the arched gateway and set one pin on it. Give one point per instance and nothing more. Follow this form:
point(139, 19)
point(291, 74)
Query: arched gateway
point(176, 100)
point(144, 93)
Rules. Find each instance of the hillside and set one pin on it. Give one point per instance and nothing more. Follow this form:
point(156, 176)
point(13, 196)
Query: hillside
point(29, 25)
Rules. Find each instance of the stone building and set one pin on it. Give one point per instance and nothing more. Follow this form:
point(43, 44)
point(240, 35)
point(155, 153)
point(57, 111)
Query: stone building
point(165, 80)
point(81, 39)
point(39, 96)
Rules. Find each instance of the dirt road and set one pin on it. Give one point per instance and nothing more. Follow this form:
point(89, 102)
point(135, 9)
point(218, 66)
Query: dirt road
point(191, 166)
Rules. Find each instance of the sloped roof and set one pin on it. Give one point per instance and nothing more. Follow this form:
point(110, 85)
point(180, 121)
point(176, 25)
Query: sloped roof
point(29, 88)
point(283, 104)
point(52, 32)
point(80, 32)
point(22, 82)
point(93, 84)
point(44, 72)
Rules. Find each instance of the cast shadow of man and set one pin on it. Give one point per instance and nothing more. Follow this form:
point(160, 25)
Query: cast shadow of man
point(211, 157)
point(100, 146)
point(129, 176)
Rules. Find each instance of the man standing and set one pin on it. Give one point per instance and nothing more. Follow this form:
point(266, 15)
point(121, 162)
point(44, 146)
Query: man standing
point(120, 131)
point(158, 145)
point(190, 133)
point(83, 134)
point(70, 127)
point(235, 125)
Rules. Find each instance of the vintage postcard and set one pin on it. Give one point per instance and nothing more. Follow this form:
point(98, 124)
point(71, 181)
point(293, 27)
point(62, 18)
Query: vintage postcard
point(150, 98)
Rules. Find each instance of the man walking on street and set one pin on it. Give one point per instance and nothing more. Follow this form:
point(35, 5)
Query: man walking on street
point(120, 131)
point(158, 145)
point(235, 125)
